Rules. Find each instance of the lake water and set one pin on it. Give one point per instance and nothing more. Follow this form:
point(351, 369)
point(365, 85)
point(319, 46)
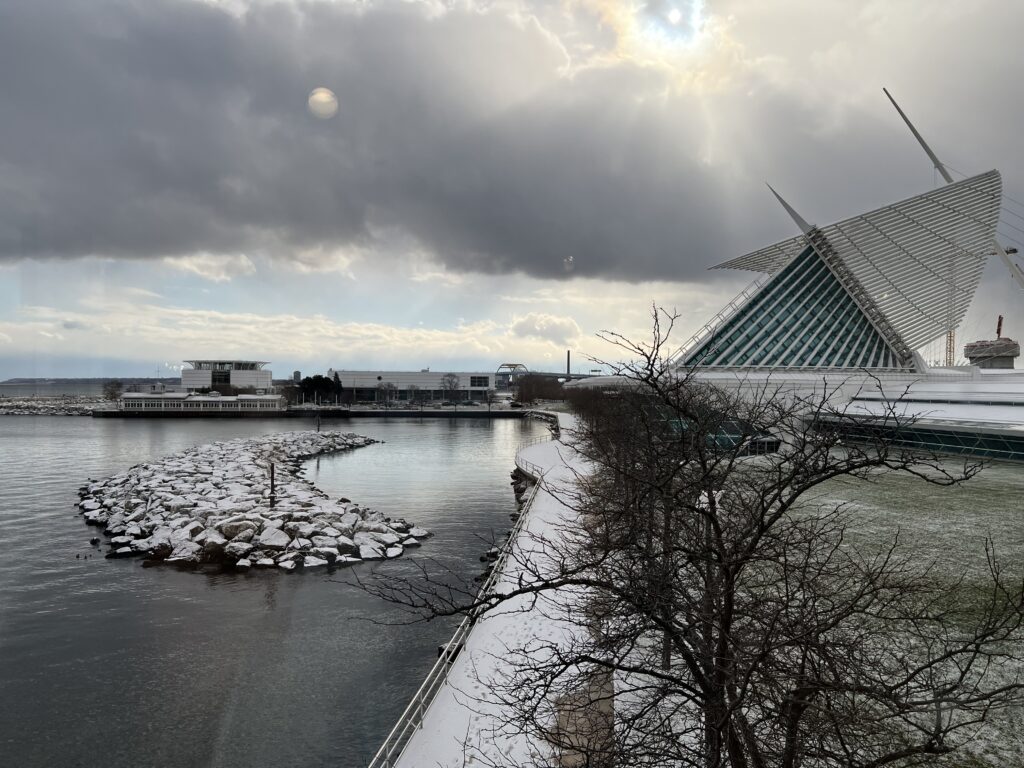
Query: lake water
point(103, 662)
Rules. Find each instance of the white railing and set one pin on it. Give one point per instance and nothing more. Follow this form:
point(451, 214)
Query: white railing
point(716, 322)
point(526, 465)
point(412, 718)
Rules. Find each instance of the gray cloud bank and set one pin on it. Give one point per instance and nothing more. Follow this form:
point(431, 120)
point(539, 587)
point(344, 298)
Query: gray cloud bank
point(171, 127)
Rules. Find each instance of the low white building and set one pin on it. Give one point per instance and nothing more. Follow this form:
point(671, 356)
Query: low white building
point(191, 404)
point(376, 386)
point(240, 374)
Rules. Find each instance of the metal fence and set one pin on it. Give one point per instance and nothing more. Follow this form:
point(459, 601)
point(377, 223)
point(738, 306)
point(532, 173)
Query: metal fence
point(412, 718)
point(527, 466)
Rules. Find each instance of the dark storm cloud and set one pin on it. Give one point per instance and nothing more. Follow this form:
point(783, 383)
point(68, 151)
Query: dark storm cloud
point(172, 127)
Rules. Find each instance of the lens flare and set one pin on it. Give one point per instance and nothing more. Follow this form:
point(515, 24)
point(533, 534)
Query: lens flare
point(323, 103)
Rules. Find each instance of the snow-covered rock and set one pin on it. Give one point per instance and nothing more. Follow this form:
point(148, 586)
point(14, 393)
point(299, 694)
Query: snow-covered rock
point(327, 553)
point(274, 538)
point(213, 543)
point(185, 552)
point(237, 550)
point(373, 551)
point(346, 546)
point(372, 526)
point(245, 536)
point(231, 527)
point(188, 531)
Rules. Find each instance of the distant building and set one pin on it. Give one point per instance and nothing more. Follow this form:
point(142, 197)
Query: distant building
point(297, 376)
point(240, 374)
point(191, 404)
point(997, 353)
point(405, 386)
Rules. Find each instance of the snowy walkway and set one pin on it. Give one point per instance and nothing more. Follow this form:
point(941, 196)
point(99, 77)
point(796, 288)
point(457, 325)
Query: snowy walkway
point(463, 725)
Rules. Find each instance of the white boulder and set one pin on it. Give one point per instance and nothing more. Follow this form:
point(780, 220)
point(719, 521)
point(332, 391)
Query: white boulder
point(373, 551)
point(274, 538)
point(237, 550)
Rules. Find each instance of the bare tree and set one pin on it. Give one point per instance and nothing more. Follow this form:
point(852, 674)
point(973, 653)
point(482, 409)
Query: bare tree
point(415, 395)
point(386, 393)
point(450, 384)
point(112, 389)
point(723, 618)
point(490, 397)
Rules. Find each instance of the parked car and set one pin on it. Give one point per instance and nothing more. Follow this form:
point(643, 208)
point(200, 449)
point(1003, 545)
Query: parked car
point(471, 402)
point(515, 404)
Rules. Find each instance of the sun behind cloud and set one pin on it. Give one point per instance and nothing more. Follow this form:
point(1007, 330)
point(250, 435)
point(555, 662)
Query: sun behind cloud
point(655, 30)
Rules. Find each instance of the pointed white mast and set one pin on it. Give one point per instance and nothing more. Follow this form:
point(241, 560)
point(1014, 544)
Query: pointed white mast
point(920, 140)
point(804, 226)
point(1015, 271)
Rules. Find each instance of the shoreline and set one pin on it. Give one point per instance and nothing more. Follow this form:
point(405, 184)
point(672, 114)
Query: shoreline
point(323, 413)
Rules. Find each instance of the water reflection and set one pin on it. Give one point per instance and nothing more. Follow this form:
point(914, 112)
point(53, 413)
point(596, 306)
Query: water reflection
point(257, 669)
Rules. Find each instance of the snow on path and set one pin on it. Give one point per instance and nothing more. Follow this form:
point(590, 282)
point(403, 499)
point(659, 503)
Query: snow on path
point(462, 720)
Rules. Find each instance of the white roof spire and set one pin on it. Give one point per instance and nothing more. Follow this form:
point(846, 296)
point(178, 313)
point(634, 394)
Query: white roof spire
point(1015, 272)
point(804, 226)
point(920, 140)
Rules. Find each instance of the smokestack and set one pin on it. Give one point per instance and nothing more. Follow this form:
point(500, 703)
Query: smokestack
point(568, 372)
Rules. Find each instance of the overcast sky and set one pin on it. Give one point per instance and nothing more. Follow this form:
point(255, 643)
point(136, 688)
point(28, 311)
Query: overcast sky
point(501, 179)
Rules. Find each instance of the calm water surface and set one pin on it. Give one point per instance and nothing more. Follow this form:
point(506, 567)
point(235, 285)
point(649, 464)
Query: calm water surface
point(103, 662)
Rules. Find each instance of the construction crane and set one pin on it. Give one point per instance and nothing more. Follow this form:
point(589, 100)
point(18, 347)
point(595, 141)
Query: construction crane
point(1004, 253)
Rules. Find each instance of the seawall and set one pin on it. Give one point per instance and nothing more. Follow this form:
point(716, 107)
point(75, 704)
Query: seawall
point(332, 413)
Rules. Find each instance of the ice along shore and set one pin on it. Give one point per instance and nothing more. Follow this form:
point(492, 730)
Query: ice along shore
point(213, 504)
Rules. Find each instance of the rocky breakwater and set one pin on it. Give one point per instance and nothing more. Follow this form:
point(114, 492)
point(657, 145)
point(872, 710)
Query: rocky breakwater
point(68, 405)
point(213, 505)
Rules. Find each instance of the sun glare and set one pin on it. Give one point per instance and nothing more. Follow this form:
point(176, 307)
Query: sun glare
point(661, 32)
point(675, 25)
